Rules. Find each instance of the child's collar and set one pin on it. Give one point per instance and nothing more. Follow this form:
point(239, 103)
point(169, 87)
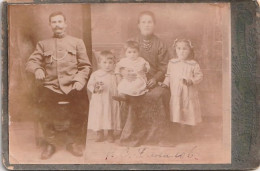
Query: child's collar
point(100, 72)
point(174, 60)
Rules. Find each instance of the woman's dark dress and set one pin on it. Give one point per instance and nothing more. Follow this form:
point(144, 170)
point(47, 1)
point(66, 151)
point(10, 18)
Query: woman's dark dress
point(147, 117)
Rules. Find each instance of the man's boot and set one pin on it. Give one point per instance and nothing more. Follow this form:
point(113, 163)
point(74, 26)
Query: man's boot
point(48, 151)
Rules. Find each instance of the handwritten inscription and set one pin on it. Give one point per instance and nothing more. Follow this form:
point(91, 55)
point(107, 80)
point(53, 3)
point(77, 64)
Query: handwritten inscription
point(148, 153)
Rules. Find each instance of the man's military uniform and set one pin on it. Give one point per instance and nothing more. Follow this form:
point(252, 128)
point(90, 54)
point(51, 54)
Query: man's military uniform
point(64, 61)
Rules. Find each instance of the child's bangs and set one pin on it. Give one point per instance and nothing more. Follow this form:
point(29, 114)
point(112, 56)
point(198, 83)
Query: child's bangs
point(106, 55)
point(187, 41)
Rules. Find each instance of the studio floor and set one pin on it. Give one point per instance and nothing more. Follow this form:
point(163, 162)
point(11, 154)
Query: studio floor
point(206, 148)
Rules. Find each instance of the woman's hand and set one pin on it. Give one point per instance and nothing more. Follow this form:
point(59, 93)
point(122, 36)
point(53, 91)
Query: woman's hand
point(151, 83)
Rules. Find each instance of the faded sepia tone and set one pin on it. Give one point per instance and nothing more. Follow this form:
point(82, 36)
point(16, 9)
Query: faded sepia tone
point(114, 24)
point(30, 24)
point(111, 26)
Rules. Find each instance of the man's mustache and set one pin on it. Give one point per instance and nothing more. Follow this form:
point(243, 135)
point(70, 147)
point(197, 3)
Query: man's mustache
point(57, 28)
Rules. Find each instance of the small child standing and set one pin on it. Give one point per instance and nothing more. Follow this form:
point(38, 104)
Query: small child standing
point(183, 74)
point(103, 111)
point(131, 73)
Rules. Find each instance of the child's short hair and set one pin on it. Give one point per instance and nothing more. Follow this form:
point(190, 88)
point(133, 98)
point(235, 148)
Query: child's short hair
point(105, 54)
point(131, 44)
point(191, 56)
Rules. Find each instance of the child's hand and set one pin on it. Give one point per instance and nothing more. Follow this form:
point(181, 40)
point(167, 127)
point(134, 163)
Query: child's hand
point(131, 75)
point(162, 85)
point(143, 70)
point(98, 88)
point(187, 82)
point(118, 78)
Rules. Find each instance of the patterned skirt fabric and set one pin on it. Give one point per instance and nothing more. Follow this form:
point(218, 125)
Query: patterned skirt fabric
point(146, 118)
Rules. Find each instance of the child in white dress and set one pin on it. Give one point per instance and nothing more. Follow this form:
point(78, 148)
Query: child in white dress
point(103, 111)
point(131, 73)
point(183, 75)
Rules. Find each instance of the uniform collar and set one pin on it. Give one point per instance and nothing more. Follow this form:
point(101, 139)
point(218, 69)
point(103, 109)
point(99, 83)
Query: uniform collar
point(59, 36)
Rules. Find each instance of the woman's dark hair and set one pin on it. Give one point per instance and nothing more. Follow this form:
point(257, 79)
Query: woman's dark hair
point(150, 13)
point(55, 14)
point(191, 56)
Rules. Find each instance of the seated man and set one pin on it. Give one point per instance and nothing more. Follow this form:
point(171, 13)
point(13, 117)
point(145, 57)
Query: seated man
point(62, 64)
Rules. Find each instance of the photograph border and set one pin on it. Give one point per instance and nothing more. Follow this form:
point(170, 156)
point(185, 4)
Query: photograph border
point(245, 86)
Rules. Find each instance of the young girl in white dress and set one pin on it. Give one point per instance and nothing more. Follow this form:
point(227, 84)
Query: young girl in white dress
point(103, 111)
point(183, 75)
point(131, 73)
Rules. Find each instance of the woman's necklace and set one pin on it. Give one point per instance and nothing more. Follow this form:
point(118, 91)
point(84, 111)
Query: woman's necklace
point(146, 44)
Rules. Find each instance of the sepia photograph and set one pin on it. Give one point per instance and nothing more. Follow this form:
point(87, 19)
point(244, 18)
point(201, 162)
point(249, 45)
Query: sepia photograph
point(172, 67)
point(119, 83)
point(49, 66)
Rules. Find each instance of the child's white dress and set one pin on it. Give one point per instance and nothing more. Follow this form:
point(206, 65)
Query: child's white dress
point(104, 112)
point(184, 103)
point(135, 87)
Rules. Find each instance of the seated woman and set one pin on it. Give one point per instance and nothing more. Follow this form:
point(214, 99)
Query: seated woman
point(147, 116)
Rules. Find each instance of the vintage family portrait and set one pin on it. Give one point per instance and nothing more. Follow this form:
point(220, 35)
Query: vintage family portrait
point(120, 83)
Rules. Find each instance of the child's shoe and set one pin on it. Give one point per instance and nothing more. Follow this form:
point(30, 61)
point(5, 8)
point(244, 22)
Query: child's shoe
point(100, 136)
point(110, 136)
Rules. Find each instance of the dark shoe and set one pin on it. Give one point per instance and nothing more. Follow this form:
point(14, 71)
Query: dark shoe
point(110, 137)
point(100, 136)
point(47, 152)
point(74, 149)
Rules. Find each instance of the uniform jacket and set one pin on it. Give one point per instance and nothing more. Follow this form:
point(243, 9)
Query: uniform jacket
point(64, 61)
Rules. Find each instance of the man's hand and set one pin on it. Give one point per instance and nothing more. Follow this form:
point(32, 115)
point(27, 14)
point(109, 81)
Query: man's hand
point(77, 86)
point(151, 83)
point(39, 74)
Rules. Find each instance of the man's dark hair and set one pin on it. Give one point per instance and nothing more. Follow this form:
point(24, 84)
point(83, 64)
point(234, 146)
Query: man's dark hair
point(55, 14)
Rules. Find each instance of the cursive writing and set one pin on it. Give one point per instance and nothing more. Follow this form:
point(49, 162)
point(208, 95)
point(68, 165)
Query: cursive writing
point(145, 152)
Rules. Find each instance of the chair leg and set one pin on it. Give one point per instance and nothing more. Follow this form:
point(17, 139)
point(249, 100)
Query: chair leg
point(38, 134)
